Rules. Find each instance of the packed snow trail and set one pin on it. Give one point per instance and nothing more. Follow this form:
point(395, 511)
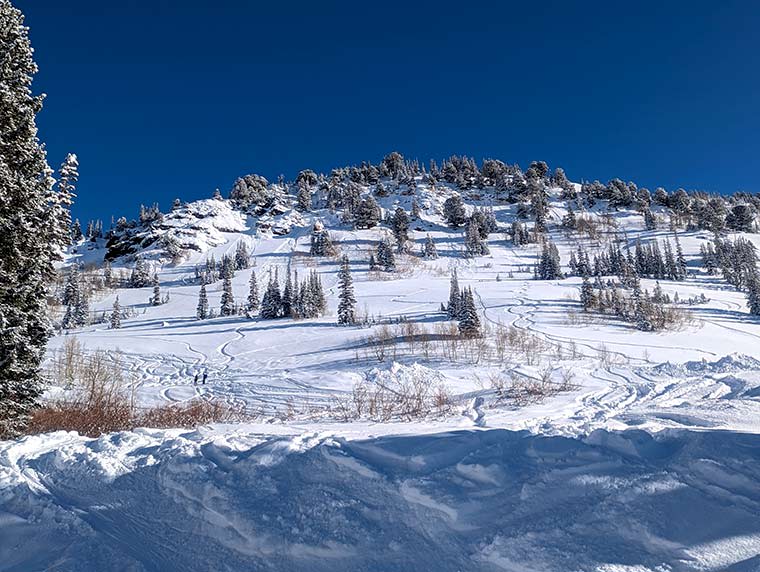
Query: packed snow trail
point(232, 499)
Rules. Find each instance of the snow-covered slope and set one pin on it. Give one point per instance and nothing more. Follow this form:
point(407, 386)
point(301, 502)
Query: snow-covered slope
point(234, 499)
point(645, 458)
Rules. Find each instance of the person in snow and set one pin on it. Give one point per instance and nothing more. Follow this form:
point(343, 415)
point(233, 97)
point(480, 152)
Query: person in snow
point(205, 375)
point(195, 380)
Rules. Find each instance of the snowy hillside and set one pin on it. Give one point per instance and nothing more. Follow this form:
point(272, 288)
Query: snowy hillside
point(562, 437)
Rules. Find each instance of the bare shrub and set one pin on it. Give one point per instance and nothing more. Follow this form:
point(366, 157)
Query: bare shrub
point(99, 399)
point(406, 400)
point(190, 414)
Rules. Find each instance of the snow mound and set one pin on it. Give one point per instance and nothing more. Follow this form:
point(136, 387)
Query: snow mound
point(727, 364)
point(467, 500)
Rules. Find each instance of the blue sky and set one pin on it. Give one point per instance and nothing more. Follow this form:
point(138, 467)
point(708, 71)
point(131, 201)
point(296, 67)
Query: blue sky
point(164, 99)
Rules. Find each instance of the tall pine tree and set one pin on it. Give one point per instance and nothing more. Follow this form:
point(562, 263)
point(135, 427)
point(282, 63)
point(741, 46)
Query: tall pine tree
point(347, 304)
point(26, 253)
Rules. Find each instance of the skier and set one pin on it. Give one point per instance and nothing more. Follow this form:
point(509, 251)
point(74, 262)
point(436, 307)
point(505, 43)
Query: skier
point(195, 380)
point(205, 375)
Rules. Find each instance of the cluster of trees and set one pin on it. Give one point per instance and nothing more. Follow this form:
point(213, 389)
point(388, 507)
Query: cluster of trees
point(647, 312)
point(461, 307)
point(737, 262)
point(644, 261)
point(214, 270)
point(549, 266)
point(297, 299)
point(383, 258)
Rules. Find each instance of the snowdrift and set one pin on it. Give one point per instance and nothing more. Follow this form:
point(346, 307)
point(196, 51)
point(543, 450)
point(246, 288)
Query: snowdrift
point(229, 499)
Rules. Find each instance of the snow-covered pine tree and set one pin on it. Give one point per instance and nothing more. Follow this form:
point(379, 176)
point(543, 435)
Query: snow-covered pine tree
point(650, 223)
point(367, 213)
point(320, 302)
point(25, 252)
point(548, 267)
point(680, 260)
point(201, 311)
point(428, 249)
point(155, 299)
point(228, 299)
point(587, 294)
point(454, 212)
point(252, 304)
point(115, 319)
point(242, 256)
point(321, 244)
point(271, 303)
point(416, 213)
point(473, 242)
point(60, 201)
point(469, 321)
point(400, 228)
point(303, 198)
point(454, 306)
point(347, 304)
point(107, 274)
point(385, 256)
point(568, 221)
point(82, 309)
point(287, 296)
point(140, 276)
point(753, 294)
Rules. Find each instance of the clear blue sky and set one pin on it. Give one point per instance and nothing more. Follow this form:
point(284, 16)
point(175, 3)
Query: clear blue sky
point(175, 98)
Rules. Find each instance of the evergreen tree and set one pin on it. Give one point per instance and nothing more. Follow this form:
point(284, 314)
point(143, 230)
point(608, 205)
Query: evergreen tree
point(202, 310)
point(82, 310)
point(107, 274)
point(228, 299)
point(252, 305)
point(347, 304)
point(680, 260)
point(650, 223)
point(385, 256)
point(25, 253)
point(549, 267)
point(155, 300)
point(242, 256)
point(415, 209)
point(271, 303)
point(60, 202)
point(473, 242)
point(321, 244)
point(753, 294)
point(453, 211)
point(400, 228)
point(303, 198)
point(454, 306)
point(115, 320)
point(428, 250)
point(367, 213)
point(287, 296)
point(469, 321)
point(140, 276)
point(76, 232)
point(568, 221)
point(587, 294)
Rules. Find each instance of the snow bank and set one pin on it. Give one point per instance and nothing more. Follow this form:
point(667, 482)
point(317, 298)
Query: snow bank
point(469, 500)
point(726, 364)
